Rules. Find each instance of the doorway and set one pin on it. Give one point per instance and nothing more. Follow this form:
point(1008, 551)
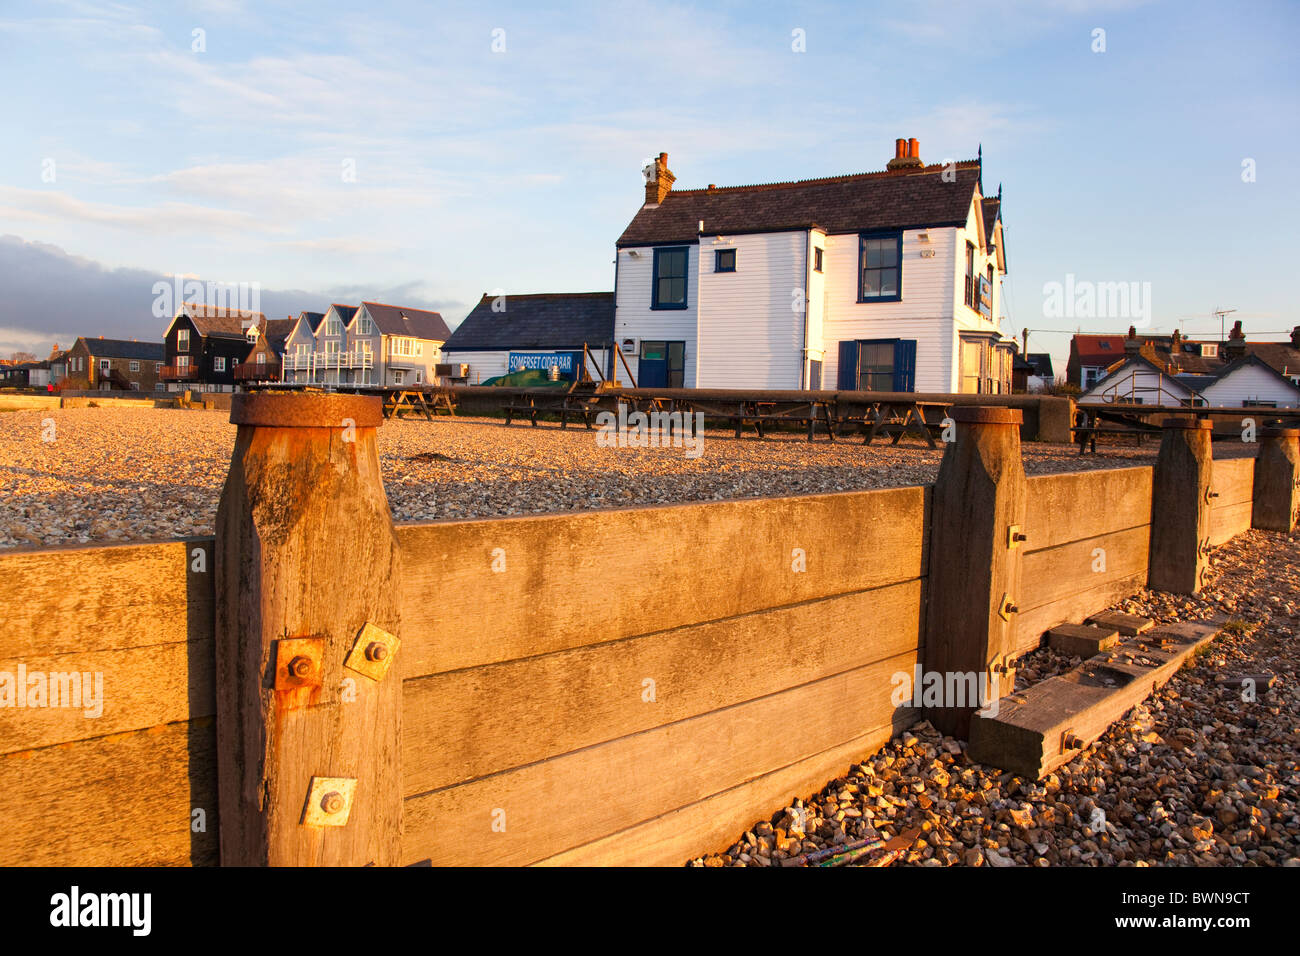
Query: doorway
point(661, 365)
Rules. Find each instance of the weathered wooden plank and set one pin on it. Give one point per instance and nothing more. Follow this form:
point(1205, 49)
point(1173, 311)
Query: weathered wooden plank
point(1032, 625)
point(1180, 506)
point(306, 553)
point(120, 800)
point(978, 503)
point(67, 600)
point(712, 824)
point(1276, 491)
point(1233, 480)
point(1056, 573)
point(94, 693)
point(1228, 521)
point(1041, 728)
point(573, 579)
point(558, 804)
point(465, 724)
point(1085, 504)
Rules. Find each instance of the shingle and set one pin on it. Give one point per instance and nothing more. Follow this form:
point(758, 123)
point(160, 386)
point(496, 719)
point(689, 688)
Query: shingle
point(401, 320)
point(210, 320)
point(909, 198)
point(559, 320)
point(124, 349)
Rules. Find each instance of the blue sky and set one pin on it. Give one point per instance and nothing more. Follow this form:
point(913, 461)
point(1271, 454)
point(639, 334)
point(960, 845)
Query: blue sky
point(478, 170)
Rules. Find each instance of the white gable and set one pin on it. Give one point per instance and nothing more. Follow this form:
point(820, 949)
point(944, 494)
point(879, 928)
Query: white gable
point(1249, 384)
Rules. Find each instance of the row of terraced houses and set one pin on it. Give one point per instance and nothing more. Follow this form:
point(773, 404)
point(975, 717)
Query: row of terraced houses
point(882, 281)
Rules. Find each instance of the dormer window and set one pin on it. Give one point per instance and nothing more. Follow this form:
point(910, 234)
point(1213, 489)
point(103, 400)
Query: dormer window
point(1209, 351)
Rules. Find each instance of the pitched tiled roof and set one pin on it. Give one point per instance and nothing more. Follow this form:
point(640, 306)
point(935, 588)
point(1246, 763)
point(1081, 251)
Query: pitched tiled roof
point(400, 320)
point(1279, 356)
point(989, 208)
point(557, 320)
point(897, 199)
point(314, 319)
point(276, 331)
point(210, 320)
point(1041, 362)
point(346, 312)
point(123, 349)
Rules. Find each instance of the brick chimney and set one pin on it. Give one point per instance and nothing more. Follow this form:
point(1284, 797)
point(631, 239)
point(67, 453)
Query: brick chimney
point(1175, 343)
point(661, 182)
point(907, 155)
point(1295, 337)
point(1131, 343)
point(1235, 347)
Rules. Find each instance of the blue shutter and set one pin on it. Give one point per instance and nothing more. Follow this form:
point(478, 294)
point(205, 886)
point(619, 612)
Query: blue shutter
point(848, 367)
point(904, 365)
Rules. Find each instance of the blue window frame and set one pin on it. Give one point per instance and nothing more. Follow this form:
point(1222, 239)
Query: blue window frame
point(880, 267)
point(670, 270)
point(724, 260)
point(877, 365)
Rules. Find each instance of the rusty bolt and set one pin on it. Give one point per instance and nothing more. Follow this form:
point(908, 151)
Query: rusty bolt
point(1012, 608)
point(1020, 536)
point(332, 802)
point(300, 667)
point(1071, 741)
point(376, 651)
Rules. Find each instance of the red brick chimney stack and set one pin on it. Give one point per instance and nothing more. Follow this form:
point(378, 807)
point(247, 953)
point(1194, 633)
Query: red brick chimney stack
point(662, 183)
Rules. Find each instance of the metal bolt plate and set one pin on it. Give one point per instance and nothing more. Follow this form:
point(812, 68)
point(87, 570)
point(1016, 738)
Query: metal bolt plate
point(1014, 537)
point(329, 802)
point(1006, 607)
point(298, 669)
point(373, 652)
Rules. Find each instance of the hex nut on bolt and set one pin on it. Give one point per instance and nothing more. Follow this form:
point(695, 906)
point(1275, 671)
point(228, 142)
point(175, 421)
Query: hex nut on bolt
point(300, 667)
point(376, 651)
point(332, 802)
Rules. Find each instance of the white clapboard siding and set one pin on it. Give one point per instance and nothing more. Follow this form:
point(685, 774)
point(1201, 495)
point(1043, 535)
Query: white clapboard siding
point(1248, 384)
point(925, 312)
point(634, 318)
point(751, 321)
point(1138, 383)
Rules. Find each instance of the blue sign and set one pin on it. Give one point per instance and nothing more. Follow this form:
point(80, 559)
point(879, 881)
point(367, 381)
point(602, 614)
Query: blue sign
point(986, 297)
point(567, 362)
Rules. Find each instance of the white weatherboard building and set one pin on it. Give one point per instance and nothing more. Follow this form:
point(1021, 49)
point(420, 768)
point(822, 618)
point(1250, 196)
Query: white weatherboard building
point(369, 344)
point(504, 333)
point(886, 281)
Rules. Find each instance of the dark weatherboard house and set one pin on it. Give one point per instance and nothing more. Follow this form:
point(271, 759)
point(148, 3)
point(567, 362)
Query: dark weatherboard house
point(204, 344)
point(503, 333)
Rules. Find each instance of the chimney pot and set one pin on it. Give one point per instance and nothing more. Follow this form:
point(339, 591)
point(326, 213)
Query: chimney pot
point(900, 148)
point(914, 148)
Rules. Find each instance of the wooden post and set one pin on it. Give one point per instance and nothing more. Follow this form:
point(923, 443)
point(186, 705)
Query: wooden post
point(306, 557)
point(1180, 506)
point(1277, 475)
point(978, 510)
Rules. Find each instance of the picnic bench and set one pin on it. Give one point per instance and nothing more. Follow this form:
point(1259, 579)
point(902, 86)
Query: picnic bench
point(897, 417)
point(427, 401)
point(761, 412)
point(581, 400)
